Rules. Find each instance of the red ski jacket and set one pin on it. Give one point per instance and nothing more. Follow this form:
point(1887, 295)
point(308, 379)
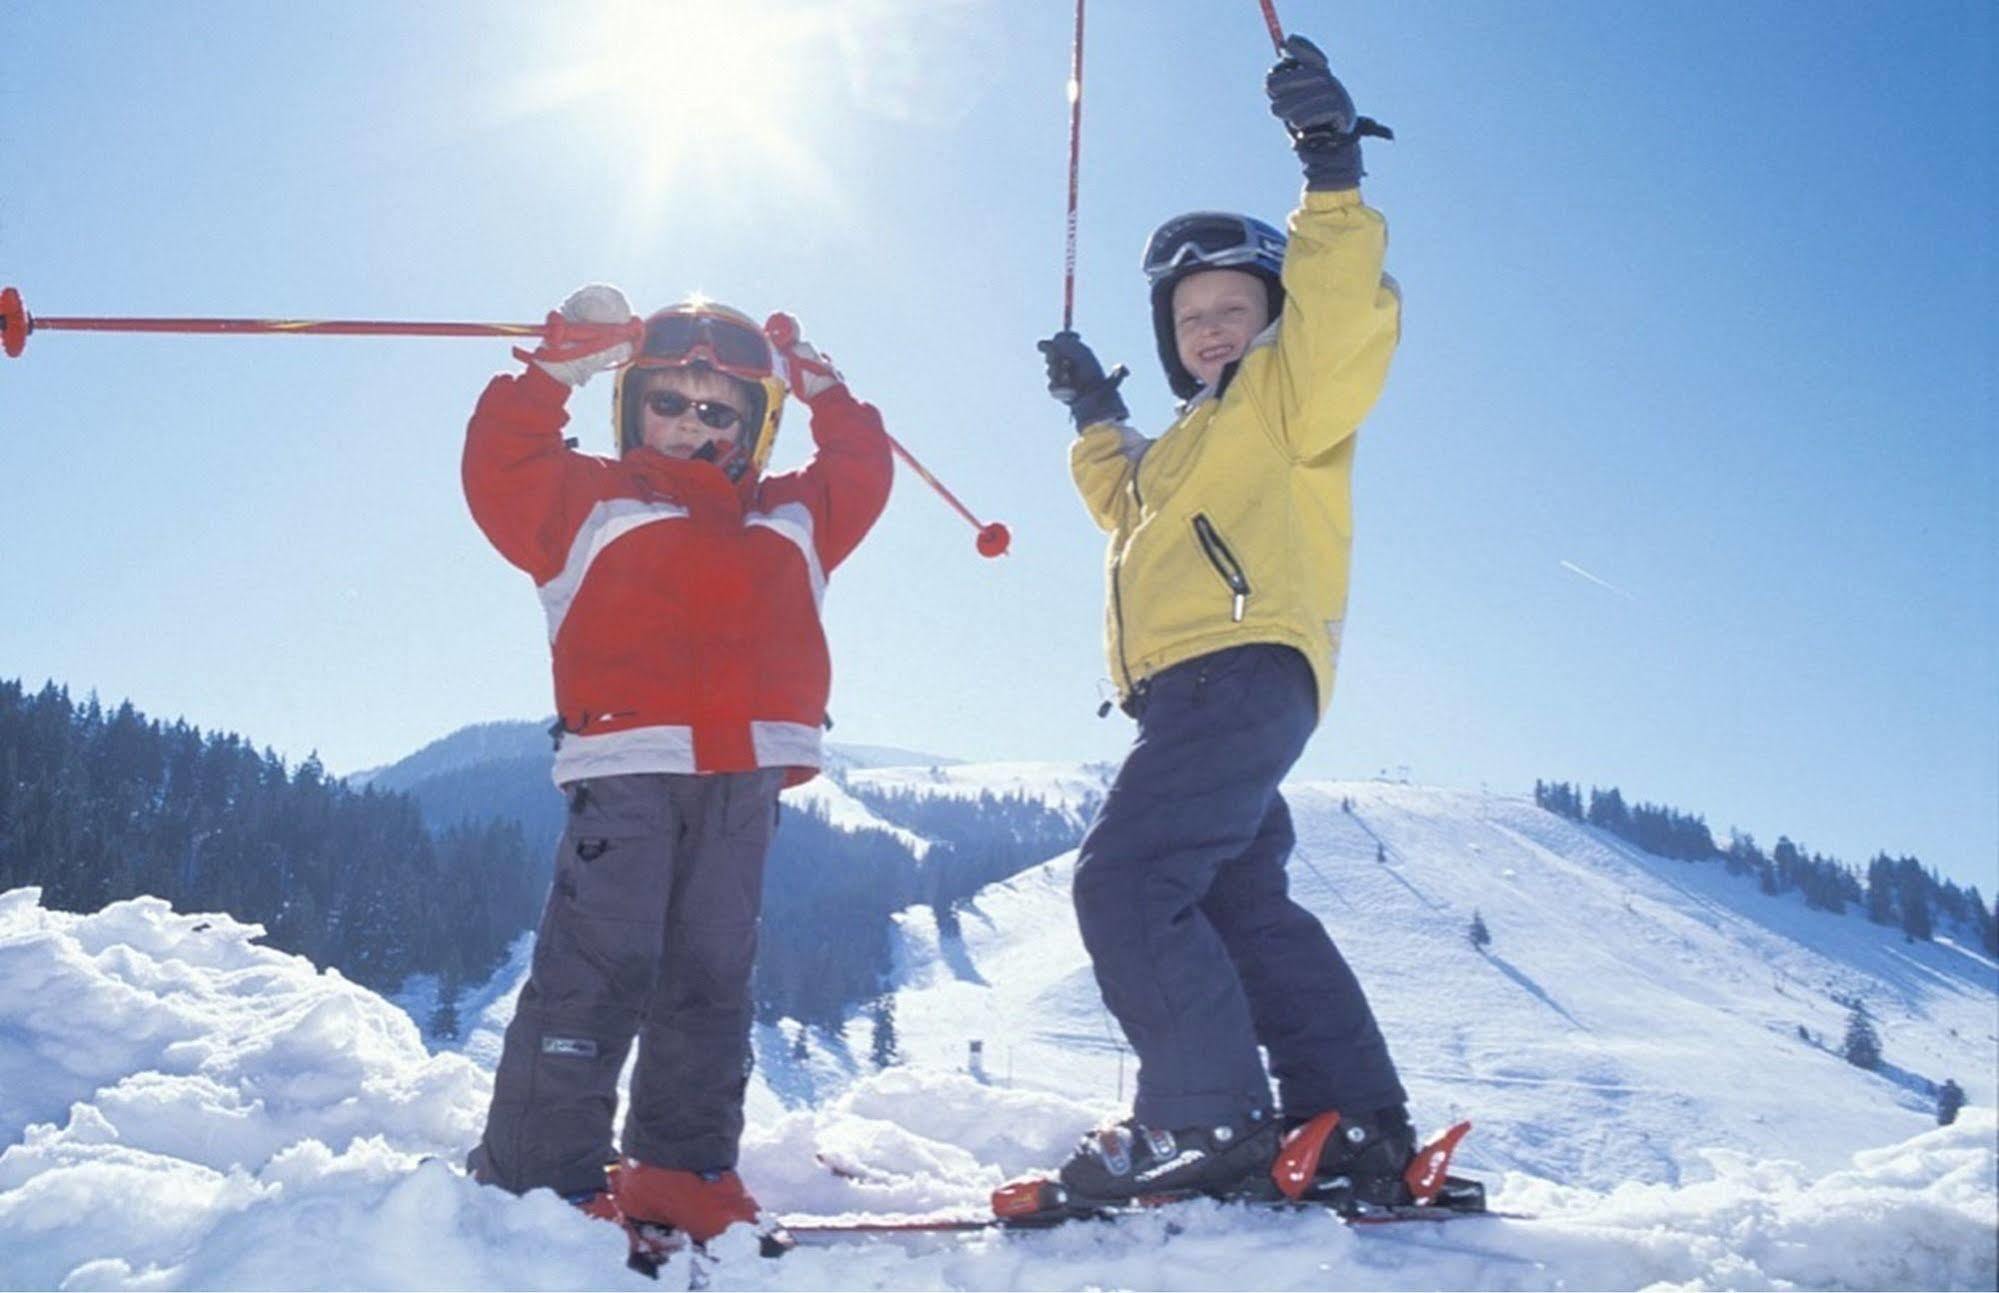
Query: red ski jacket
point(683, 609)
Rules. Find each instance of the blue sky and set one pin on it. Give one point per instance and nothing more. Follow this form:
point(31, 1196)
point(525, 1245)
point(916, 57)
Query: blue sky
point(1684, 479)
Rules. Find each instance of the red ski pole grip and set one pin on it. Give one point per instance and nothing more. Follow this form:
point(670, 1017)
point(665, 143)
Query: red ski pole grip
point(782, 330)
point(14, 323)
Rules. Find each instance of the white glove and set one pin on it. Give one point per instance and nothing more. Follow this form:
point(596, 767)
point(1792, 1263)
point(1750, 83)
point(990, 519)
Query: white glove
point(808, 372)
point(594, 331)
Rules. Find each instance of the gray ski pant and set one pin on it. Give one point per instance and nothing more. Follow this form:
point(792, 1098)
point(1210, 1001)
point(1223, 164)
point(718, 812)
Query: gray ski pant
point(1185, 909)
point(650, 931)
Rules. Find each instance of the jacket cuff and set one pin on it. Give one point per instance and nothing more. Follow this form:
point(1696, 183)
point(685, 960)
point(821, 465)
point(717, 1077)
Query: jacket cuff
point(535, 386)
point(835, 399)
point(1331, 199)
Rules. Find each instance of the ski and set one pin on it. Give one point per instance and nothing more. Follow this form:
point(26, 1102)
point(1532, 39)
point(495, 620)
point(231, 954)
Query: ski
point(1295, 1184)
point(1033, 1204)
point(818, 1233)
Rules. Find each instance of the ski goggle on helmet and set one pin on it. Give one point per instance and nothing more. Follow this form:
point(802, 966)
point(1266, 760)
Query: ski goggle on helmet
point(1202, 240)
point(706, 334)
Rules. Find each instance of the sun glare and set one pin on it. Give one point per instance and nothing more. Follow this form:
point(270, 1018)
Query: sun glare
point(701, 96)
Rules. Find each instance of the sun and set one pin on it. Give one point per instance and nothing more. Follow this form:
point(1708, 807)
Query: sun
point(695, 95)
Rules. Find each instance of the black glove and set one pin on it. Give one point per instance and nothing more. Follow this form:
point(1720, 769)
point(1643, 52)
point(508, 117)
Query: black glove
point(1319, 113)
point(1078, 380)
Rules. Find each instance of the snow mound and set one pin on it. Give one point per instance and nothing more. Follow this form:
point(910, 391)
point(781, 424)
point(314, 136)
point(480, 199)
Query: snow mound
point(186, 1109)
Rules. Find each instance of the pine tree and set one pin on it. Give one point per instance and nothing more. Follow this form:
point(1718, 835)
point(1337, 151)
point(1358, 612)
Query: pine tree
point(1913, 889)
point(1881, 890)
point(884, 1050)
point(1862, 1047)
point(1950, 1099)
point(1481, 937)
point(1607, 810)
point(444, 1020)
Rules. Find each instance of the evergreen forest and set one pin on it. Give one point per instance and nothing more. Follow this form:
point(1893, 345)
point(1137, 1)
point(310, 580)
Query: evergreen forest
point(1893, 891)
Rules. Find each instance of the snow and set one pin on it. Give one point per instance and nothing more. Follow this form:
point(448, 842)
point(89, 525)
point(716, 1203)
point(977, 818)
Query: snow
point(829, 799)
point(183, 1108)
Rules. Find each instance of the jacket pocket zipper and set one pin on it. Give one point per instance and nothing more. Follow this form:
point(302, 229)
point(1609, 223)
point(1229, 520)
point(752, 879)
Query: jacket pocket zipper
point(1224, 562)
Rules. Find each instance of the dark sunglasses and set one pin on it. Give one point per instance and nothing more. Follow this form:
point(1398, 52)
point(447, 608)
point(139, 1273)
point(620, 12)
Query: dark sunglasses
point(713, 413)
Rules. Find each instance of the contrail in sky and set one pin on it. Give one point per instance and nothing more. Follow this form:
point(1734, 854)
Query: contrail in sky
point(1573, 568)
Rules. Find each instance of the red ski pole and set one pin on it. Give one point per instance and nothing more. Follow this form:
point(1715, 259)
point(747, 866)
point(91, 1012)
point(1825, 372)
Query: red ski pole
point(993, 537)
point(1270, 21)
point(1075, 154)
point(16, 324)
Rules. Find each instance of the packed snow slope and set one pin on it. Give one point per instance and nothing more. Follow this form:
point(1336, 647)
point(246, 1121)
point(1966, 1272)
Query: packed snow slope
point(1630, 1011)
point(182, 1108)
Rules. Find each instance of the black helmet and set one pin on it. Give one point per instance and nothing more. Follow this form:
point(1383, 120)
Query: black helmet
point(1197, 241)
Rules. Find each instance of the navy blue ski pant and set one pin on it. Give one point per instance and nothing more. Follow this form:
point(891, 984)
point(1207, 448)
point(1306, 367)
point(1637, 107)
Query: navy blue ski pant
point(1182, 897)
point(650, 931)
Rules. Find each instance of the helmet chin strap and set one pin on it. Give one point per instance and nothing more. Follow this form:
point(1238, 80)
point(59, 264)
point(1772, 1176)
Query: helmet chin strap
point(732, 465)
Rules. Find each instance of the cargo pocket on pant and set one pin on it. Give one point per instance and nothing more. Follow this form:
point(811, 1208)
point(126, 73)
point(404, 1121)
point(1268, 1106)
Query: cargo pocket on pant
point(600, 950)
point(613, 864)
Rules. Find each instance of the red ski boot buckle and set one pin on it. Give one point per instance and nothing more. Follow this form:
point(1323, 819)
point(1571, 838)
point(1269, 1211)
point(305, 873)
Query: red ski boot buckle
point(1297, 1165)
point(1018, 1199)
point(1430, 1169)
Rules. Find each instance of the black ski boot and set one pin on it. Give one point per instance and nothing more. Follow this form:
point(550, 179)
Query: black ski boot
point(1125, 1161)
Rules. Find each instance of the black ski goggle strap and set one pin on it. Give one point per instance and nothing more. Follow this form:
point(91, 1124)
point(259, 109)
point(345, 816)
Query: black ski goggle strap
point(730, 344)
point(1208, 240)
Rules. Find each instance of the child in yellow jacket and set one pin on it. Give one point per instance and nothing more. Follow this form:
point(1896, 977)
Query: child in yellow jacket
point(1227, 587)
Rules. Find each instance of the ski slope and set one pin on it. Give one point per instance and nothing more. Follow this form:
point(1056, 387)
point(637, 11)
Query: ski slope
point(1630, 1012)
point(183, 1108)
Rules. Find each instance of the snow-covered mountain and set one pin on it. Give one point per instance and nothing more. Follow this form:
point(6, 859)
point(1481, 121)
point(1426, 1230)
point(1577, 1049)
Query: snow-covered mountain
point(1629, 1047)
point(510, 740)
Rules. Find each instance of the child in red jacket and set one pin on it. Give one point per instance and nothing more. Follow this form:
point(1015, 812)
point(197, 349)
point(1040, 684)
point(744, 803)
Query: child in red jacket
point(682, 590)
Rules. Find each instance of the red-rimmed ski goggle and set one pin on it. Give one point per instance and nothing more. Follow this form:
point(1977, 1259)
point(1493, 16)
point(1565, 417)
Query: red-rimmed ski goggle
point(673, 339)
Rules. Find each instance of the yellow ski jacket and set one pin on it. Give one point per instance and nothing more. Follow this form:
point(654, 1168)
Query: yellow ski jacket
point(1236, 525)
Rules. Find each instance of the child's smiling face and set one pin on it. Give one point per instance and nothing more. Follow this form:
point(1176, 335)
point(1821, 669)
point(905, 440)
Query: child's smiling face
point(1216, 313)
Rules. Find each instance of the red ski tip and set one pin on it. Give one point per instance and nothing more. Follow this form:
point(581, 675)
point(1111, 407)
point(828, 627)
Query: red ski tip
point(14, 324)
point(994, 540)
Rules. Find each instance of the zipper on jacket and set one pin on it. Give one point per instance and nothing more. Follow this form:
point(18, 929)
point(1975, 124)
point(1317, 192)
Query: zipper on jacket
point(1224, 562)
point(1117, 613)
point(1117, 596)
point(1117, 593)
